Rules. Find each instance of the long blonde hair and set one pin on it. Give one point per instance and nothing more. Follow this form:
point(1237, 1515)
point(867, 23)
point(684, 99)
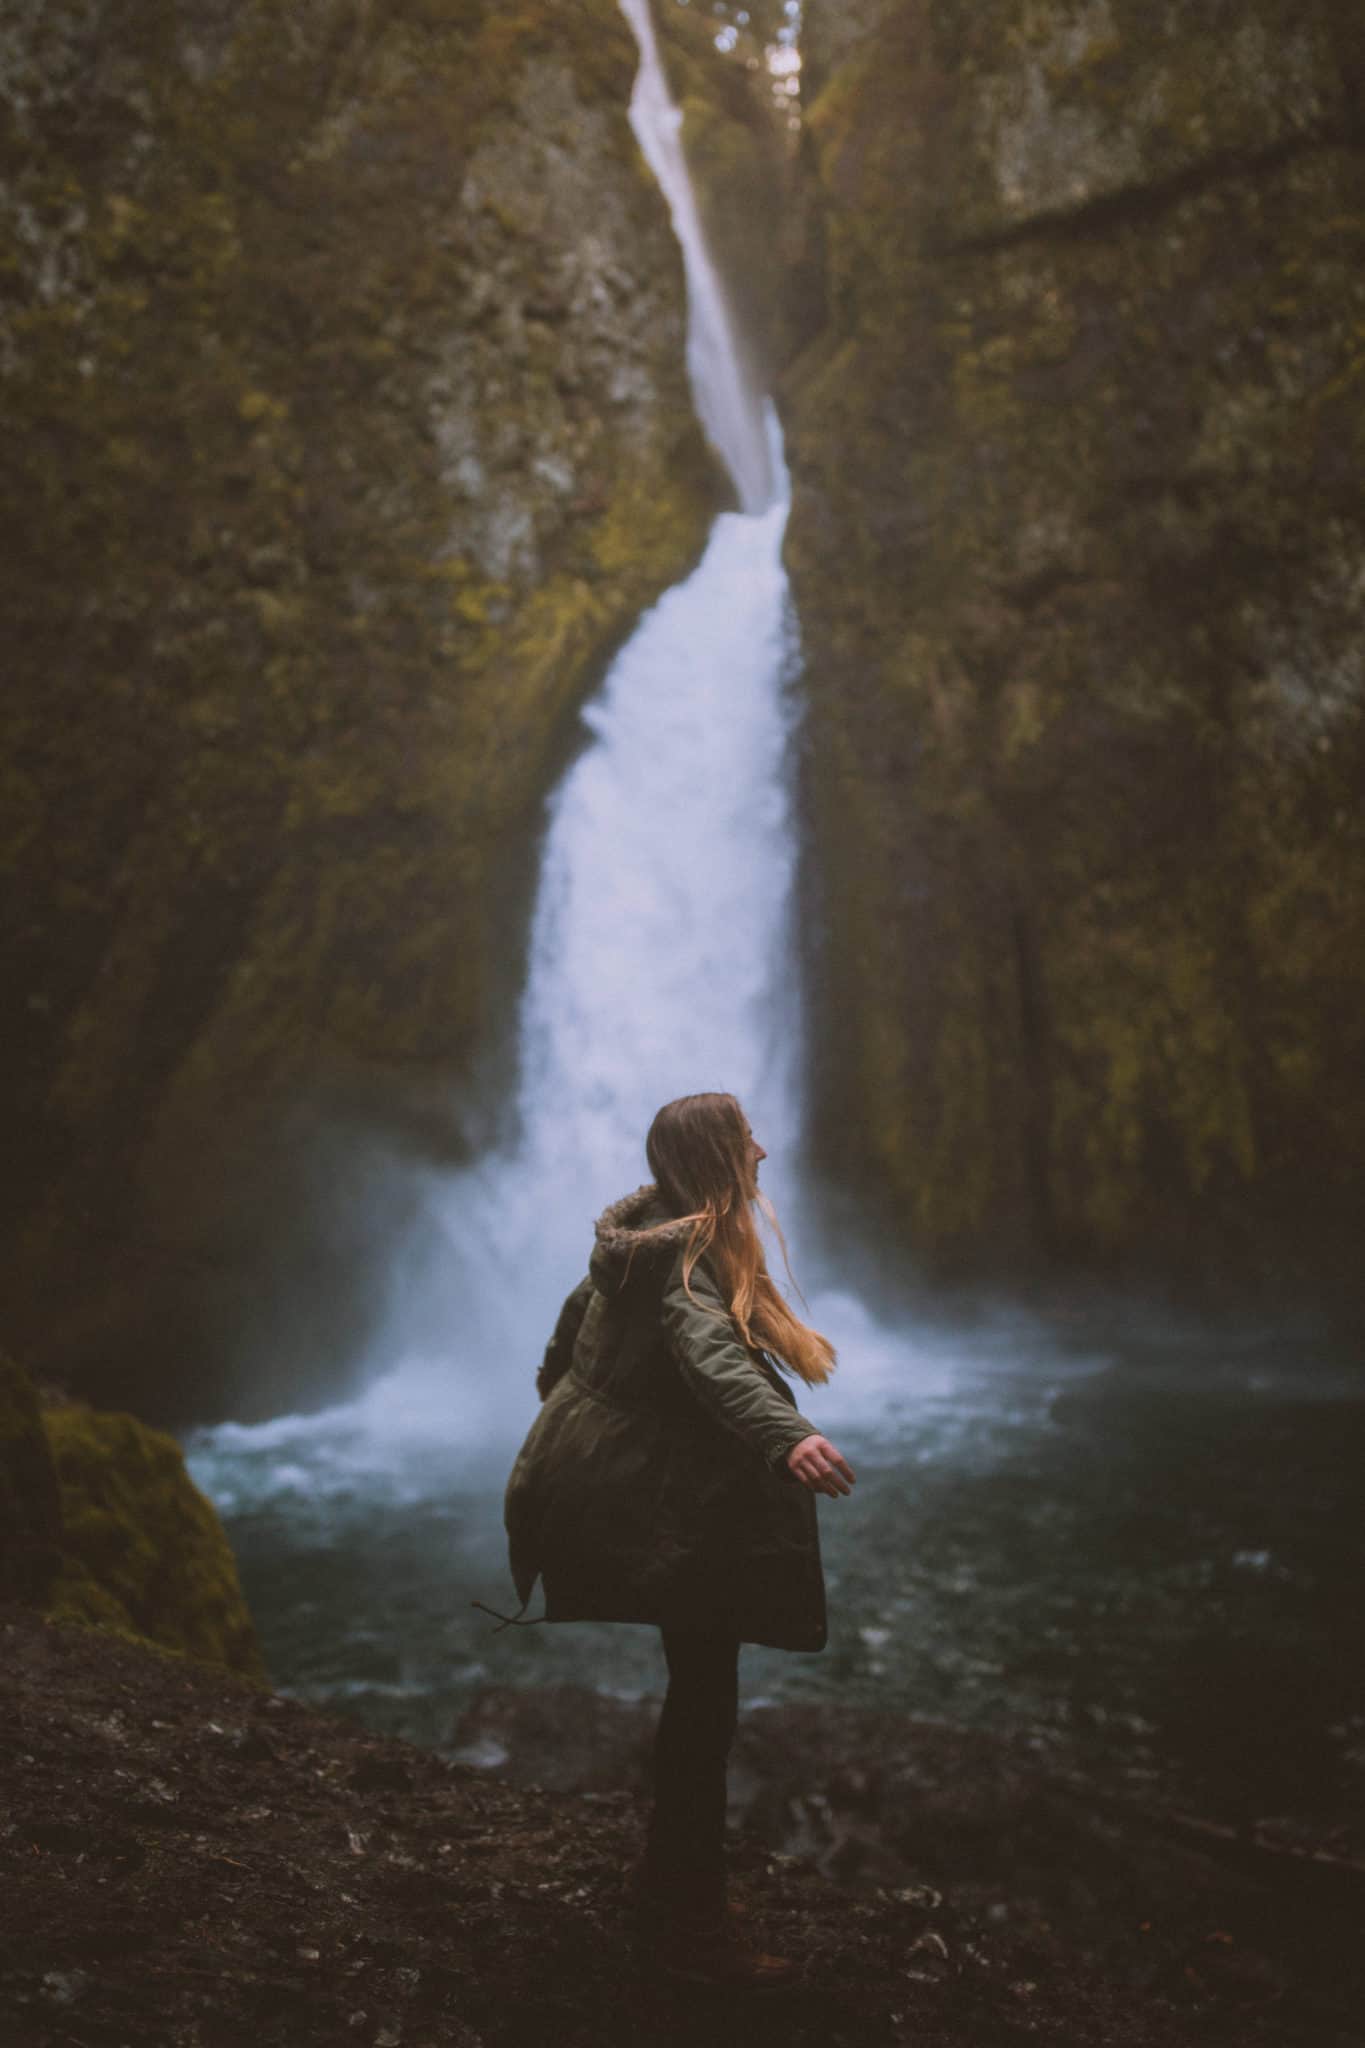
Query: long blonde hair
point(699, 1153)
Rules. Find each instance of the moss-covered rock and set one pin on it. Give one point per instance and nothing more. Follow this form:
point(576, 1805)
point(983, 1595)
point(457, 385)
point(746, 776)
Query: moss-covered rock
point(30, 1506)
point(100, 1523)
point(344, 396)
point(1076, 546)
point(143, 1551)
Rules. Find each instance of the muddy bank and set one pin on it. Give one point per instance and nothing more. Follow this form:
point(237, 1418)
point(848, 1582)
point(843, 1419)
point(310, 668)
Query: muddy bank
point(188, 1858)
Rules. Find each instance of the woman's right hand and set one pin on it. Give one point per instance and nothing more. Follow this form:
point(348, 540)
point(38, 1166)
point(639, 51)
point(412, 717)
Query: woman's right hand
point(816, 1463)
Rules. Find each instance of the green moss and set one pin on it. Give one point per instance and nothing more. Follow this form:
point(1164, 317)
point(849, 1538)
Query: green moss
point(101, 1524)
point(30, 1509)
point(143, 1551)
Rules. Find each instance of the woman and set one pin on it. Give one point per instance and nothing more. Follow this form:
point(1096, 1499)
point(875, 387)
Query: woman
point(669, 1478)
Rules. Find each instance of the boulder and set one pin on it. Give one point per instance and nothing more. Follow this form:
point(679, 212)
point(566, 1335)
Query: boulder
point(100, 1523)
point(143, 1550)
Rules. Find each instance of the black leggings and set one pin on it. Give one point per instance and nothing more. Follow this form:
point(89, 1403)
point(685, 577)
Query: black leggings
point(685, 1846)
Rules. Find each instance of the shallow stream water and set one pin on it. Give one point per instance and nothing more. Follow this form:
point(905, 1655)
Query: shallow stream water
point(1155, 1569)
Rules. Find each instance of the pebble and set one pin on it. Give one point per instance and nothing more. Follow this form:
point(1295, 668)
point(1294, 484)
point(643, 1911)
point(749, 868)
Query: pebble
point(919, 1895)
point(64, 1987)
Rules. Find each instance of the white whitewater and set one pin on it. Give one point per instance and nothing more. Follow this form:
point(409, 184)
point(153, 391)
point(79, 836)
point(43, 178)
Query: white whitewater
point(660, 941)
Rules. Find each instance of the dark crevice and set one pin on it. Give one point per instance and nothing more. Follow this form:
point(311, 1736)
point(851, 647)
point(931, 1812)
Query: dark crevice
point(1036, 1117)
point(1044, 585)
point(1141, 202)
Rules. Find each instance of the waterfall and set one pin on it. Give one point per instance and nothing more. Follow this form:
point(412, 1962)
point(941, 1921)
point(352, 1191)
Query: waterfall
point(660, 940)
point(660, 961)
point(660, 952)
point(730, 411)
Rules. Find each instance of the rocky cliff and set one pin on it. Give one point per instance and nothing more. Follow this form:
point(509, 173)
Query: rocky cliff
point(1077, 547)
point(348, 429)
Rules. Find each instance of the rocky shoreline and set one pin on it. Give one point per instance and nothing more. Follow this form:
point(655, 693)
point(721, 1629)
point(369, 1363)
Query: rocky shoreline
point(191, 1858)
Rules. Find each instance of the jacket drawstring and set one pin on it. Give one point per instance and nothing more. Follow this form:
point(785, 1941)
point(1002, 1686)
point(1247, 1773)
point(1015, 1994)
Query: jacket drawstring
point(510, 1620)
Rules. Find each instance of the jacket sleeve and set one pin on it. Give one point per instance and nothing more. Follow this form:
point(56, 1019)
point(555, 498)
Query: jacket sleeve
point(559, 1351)
point(716, 1368)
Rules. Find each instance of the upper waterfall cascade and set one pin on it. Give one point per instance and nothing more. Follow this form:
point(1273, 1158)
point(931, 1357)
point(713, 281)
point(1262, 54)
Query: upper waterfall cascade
point(730, 410)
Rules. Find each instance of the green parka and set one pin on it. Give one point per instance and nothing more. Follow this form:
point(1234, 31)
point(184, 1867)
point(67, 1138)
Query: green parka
point(653, 1485)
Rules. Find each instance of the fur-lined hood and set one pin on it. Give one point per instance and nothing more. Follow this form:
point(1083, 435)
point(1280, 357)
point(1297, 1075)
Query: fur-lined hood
point(629, 1239)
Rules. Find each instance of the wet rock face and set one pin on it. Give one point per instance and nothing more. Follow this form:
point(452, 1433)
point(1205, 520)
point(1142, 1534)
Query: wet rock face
point(1076, 547)
point(831, 34)
point(344, 375)
point(557, 351)
point(1067, 105)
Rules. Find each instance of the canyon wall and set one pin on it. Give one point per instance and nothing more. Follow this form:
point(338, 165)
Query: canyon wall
point(1079, 551)
point(341, 367)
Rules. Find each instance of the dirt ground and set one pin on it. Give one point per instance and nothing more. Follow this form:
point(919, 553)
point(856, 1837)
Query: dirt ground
point(191, 1862)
